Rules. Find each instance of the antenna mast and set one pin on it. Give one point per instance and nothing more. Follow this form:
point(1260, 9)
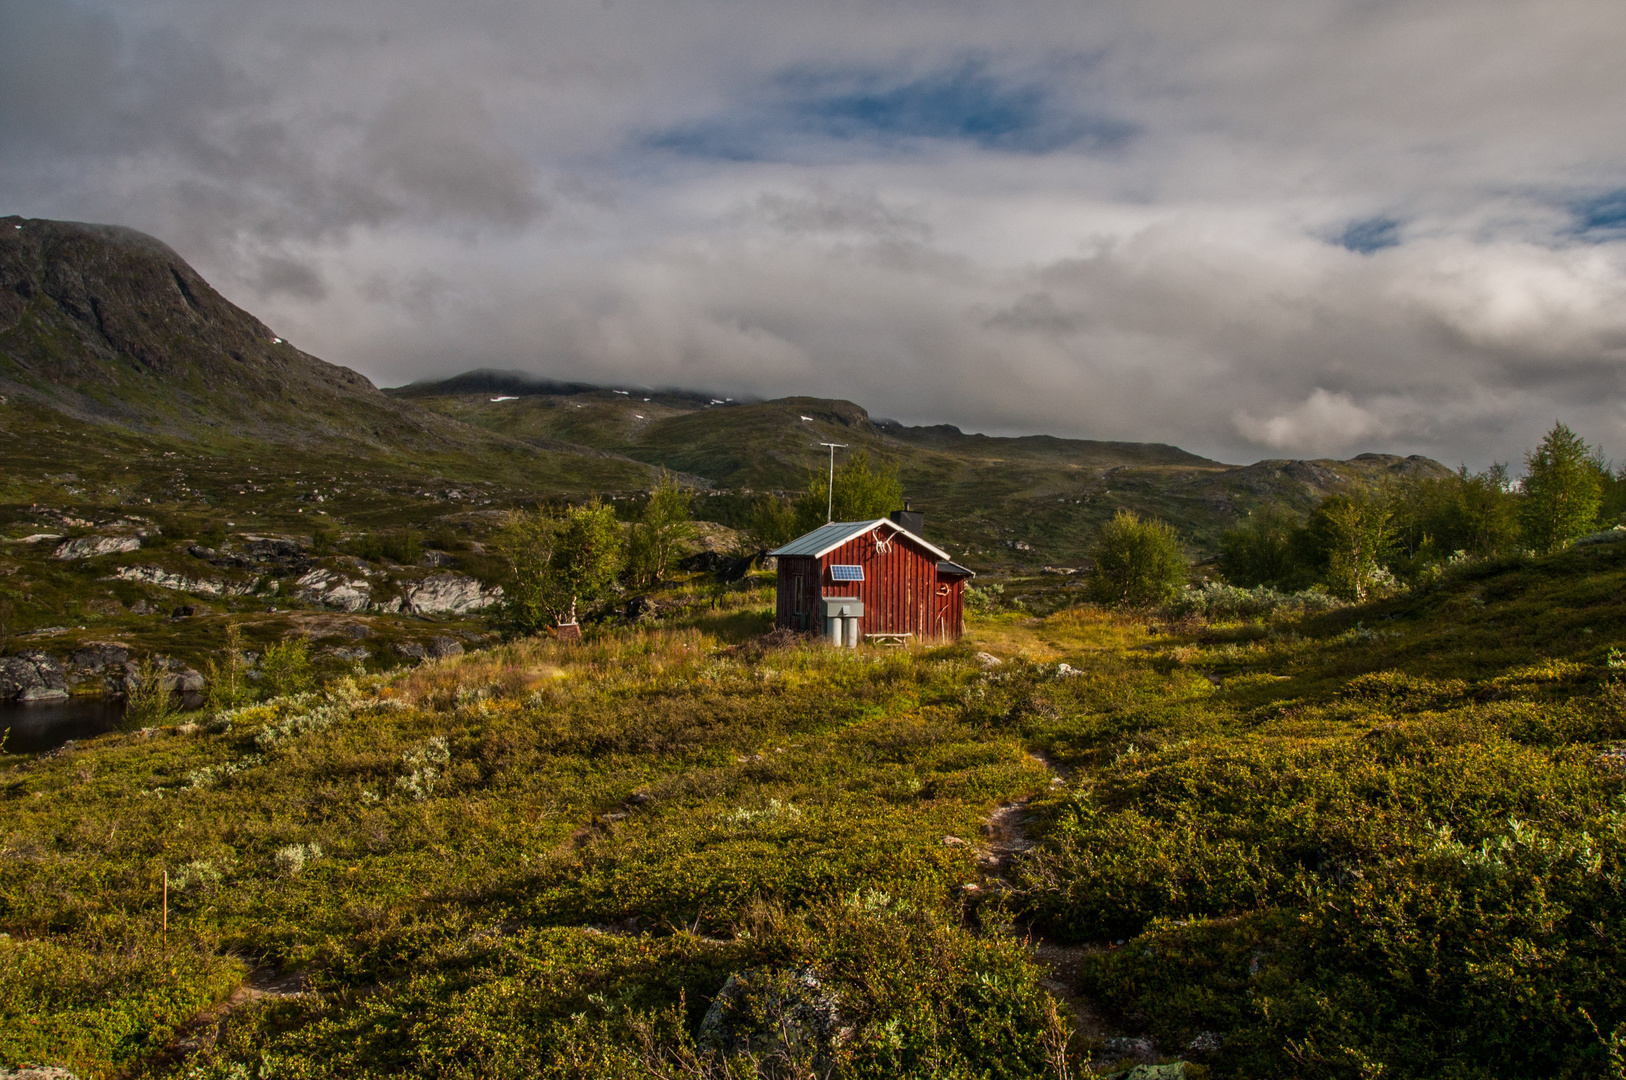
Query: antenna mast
point(830, 511)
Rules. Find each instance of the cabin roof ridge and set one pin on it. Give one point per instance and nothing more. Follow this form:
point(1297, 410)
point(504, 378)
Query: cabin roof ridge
point(826, 538)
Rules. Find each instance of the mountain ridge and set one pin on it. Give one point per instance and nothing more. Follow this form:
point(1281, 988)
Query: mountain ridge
point(112, 347)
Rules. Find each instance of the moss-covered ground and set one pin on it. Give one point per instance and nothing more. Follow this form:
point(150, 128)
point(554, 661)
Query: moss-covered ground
point(1385, 841)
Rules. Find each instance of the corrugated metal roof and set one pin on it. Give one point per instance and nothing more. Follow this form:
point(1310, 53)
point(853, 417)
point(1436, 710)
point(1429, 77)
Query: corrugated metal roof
point(826, 538)
point(954, 569)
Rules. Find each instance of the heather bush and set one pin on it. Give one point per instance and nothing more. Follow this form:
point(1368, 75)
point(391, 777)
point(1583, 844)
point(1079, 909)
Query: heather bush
point(1216, 600)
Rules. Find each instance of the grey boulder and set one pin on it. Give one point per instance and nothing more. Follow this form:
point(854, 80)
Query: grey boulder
point(764, 1011)
point(99, 656)
point(443, 594)
point(32, 676)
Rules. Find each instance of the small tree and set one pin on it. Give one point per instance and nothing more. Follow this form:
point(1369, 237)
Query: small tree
point(228, 676)
point(660, 532)
point(287, 667)
point(861, 494)
point(1137, 563)
point(1260, 551)
point(1488, 518)
point(773, 522)
point(149, 698)
point(526, 542)
point(1562, 491)
point(557, 561)
point(1437, 517)
point(1354, 534)
point(1612, 489)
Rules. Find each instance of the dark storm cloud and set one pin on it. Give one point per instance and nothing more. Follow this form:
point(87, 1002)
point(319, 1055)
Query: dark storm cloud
point(56, 65)
point(1240, 227)
point(285, 276)
point(438, 147)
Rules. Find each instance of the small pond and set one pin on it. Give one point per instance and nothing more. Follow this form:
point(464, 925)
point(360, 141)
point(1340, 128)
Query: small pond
point(38, 726)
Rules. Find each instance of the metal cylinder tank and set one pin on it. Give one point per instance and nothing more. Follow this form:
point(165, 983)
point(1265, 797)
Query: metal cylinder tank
point(841, 615)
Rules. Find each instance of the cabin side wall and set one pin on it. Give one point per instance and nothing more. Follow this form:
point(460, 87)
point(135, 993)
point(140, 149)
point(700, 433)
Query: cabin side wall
point(949, 608)
point(899, 589)
point(798, 574)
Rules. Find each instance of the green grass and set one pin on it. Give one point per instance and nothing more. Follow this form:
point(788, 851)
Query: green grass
point(483, 798)
point(1388, 839)
point(1391, 839)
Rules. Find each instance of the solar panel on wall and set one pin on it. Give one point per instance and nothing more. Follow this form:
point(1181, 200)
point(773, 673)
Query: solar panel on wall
point(846, 573)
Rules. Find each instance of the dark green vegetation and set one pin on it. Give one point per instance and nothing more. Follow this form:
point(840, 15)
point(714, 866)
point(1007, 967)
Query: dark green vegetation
point(1370, 540)
point(1388, 838)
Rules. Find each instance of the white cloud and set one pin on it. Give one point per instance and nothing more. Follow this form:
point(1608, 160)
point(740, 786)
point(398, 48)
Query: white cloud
point(413, 190)
point(1322, 425)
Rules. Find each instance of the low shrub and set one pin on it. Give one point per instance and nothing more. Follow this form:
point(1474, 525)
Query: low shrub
point(286, 667)
point(148, 698)
point(1216, 600)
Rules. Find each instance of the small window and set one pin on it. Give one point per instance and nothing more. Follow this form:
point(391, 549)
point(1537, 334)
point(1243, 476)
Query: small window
point(846, 573)
point(796, 595)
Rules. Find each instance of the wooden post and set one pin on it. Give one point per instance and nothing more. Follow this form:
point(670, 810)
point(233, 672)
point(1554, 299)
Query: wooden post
point(166, 905)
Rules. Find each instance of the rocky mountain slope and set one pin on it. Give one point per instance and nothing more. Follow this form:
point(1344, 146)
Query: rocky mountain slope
point(1001, 501)
point(109, 325)
point(107, 334)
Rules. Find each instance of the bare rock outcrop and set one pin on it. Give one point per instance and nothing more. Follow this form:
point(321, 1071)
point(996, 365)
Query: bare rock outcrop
point(168, 579)
point(333, 589)
point(32, 676)
point(448, 594)
point(86, 547)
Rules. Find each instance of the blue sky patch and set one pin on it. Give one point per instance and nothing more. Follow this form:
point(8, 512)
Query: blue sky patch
point(1371, 234)
point(1601, 214)
point(964, 104)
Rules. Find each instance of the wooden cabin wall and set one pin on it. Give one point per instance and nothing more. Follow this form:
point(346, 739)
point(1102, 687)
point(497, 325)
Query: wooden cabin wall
point(950, 608)
point(790, 568)
point(899, 589)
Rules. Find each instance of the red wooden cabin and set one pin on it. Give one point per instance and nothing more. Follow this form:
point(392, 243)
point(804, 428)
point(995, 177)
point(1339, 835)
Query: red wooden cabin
point(871, 580)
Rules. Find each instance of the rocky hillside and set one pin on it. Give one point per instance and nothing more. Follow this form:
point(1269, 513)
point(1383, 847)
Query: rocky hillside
point(1003, 502)
point(106, 333)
